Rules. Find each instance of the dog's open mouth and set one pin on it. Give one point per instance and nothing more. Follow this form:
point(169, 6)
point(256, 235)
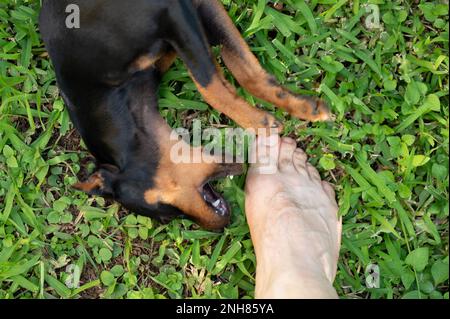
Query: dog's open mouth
point(215, 200)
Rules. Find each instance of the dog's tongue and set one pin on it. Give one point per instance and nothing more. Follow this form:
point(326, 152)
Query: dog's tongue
point(215, 201)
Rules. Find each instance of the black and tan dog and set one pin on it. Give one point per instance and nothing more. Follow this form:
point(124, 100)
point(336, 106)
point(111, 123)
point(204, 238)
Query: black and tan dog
point(108, 72)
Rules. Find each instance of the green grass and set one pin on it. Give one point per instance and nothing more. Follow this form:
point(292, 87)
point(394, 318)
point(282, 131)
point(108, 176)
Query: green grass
point(387, 153)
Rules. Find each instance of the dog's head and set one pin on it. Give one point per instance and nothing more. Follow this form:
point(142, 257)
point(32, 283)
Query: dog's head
point(168, 189)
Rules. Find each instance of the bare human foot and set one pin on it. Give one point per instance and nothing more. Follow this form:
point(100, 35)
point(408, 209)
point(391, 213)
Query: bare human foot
point(293, 222)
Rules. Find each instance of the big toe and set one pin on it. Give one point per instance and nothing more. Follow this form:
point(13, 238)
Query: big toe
point(265, 155)
point(287, 149)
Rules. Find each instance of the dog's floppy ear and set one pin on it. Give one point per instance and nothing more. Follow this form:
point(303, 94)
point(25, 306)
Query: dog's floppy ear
point(100, 183)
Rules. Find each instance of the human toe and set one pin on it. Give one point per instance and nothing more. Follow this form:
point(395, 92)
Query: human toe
point(265, 155)
point(299, 159)
point(313, 173)
point(329, 190)
point(285, 159)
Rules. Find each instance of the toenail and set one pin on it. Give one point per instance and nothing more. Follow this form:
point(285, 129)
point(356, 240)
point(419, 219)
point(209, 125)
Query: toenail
point(299, 154)
point(285, 162)
point(272, 140)
point(288, 140)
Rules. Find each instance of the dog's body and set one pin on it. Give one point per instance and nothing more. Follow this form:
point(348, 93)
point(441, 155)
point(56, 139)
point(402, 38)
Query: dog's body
point(108, 71)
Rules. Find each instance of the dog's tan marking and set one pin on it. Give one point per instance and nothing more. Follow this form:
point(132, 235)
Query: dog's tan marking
point(144, 62)
point(178, 184)
point(221, 95)
point(94, 182)
point(161, 61)
point(164, 63)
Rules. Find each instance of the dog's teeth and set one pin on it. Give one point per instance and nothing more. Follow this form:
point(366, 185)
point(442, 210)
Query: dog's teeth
point(216, 203)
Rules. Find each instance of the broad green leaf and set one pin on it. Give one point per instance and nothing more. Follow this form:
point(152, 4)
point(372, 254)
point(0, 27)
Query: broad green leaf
point(418, 258)
point(420, 160)
point(439, 271)
point(107, 278)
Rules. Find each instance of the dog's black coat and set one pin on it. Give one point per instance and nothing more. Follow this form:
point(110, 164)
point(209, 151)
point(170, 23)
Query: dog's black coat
point(108, 72)
point(111, 105)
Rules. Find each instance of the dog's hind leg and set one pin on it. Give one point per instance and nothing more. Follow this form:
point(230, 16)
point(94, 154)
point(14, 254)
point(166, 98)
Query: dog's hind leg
point(191, 44)
point(248, 71)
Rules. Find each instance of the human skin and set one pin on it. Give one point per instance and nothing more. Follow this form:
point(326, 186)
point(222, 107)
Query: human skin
point(293, 220)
